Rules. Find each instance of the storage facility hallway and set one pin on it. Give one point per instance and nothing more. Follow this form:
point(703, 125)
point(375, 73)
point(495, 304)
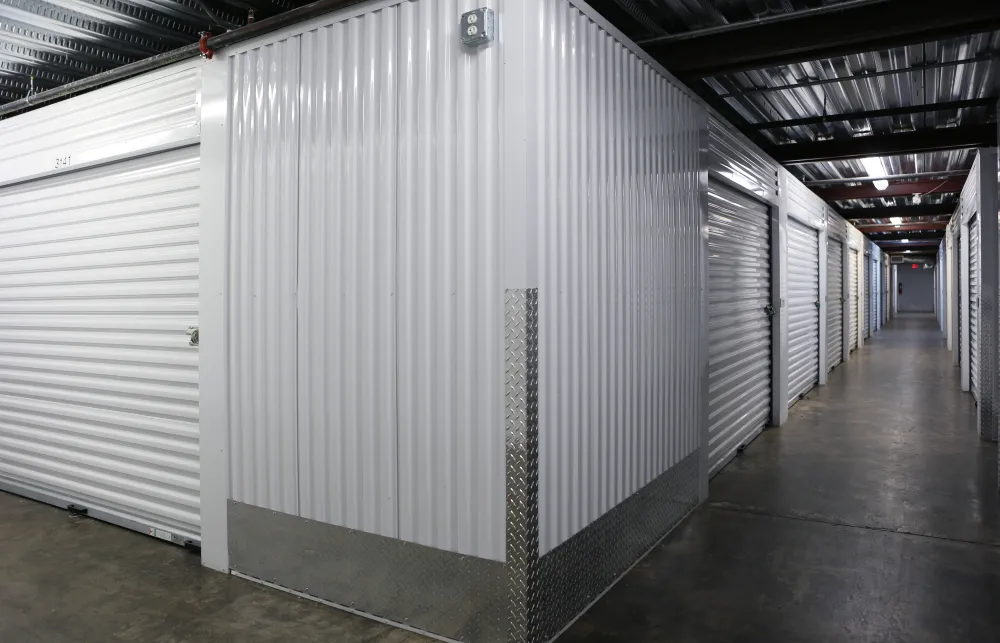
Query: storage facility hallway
point(870, 516)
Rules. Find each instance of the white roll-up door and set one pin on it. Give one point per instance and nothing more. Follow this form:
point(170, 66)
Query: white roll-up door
point(98, 381)
point(874, 296)
point(852, 288)
point(974, 306)
point(868, 297)
point(960, 301)
point(834, 302)
point(739, 331)
point(803, 309)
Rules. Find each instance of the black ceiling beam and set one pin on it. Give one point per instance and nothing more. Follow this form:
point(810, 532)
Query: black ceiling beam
point(950, 138)
point(897, 188)
point(905, 234)
point(857, 28)
point(877, 113)
point(922, 210)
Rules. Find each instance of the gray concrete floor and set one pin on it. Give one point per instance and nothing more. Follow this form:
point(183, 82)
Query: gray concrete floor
point(871, 516)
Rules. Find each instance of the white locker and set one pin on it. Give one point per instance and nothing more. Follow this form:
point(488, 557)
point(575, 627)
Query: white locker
point(739, 286)
point(853, 296)
point(834, 302)
point(803, 309)
point(98, 379)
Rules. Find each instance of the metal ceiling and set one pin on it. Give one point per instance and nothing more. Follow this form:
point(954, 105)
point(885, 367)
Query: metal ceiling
point(44, 44)
point(888, 88)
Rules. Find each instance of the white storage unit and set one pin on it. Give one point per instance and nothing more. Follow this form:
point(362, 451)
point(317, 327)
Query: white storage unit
point(739, 322)
point(834, 302)
point(803, 309)
point(867, 304)
point(99, 266)
point(974, 239)
point(854, 298)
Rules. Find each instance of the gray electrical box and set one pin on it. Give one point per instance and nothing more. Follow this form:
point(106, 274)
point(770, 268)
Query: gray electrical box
point(477, 27)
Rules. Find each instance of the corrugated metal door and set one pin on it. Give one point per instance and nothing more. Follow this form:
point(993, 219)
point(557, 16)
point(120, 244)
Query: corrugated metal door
point(739, 286)
point(853, 296)
point(874, 297)
point(868, 297)
point(803, 309)
point(834, 302)
point(974, 306)
point(98, 382)
point(958, 295)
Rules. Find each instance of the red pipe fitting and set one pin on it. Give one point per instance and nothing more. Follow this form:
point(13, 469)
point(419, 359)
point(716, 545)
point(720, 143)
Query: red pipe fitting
point(203, 47)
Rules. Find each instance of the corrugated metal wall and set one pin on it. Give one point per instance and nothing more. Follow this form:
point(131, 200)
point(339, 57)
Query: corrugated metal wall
point(867, 294)
point(739, 324)
point(734, 158)
point(377, 403)
point(449, 293)
point(98, 385)
point(834, 302)
point(263, 265)
point(146, 112)
point(620, 220)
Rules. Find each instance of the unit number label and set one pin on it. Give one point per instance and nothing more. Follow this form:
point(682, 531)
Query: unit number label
point(62, 161)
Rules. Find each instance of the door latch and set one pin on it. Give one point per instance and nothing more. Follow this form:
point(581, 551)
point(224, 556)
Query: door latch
point(769, 309)
point(192, 333)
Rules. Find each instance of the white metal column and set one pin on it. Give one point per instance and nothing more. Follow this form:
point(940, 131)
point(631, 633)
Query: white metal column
point(803, 309)
point(740, 315)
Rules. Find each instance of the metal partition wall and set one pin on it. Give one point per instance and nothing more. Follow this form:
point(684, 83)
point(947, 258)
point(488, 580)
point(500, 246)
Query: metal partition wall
point(834, 302)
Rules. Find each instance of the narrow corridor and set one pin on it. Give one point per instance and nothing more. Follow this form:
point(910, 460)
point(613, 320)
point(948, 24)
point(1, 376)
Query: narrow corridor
point(870, 516)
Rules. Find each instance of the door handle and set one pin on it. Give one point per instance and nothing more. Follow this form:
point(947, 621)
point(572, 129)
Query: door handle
point(769, 309)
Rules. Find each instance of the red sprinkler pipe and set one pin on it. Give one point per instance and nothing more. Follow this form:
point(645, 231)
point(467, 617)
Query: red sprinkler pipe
point(203, 47)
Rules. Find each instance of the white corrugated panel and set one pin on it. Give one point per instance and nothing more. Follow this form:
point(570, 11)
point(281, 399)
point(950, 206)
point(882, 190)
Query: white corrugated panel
point(974, 305)
point(834, 302)
point(347, 274)
point(874, 300)
point(449, 294)
point(960, 301)
point(853, 297)
point(372, 399)
point(263, 249)
point(732, 156)
point(803, 309)
point(868, 295)
point(739, 326)
point(149, 112)
point(619, 219)
point(98, 384)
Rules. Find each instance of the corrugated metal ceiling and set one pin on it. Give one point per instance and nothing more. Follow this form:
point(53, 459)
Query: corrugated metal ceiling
point(44, 44)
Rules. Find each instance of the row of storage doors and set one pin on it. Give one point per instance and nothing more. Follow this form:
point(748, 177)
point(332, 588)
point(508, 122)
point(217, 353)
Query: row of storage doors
point(740, 317)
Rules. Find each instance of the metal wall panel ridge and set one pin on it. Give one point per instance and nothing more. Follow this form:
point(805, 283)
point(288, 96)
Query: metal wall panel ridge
point(151, 112)
point(263, 258)
point(803, 309)
point(974, 278)
point(449, 294)
point(98, 382)
point(853, 297)
point(834, 302)
point(346, 271)
point(735, 158)
point(619, 241)
point(739, 326)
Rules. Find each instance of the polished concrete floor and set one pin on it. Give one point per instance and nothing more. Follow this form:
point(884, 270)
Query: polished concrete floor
point(871, 516)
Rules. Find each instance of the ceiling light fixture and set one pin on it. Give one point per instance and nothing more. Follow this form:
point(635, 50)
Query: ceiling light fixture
point(874, 167)
point(896, 221)
point(905, 240)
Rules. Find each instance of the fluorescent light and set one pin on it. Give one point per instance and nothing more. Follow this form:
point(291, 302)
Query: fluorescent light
point(896, 221)
point(905, 240)
point(874, 167)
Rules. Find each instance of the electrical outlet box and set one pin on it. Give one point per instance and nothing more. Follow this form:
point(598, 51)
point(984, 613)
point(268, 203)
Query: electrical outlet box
point(477, 27)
